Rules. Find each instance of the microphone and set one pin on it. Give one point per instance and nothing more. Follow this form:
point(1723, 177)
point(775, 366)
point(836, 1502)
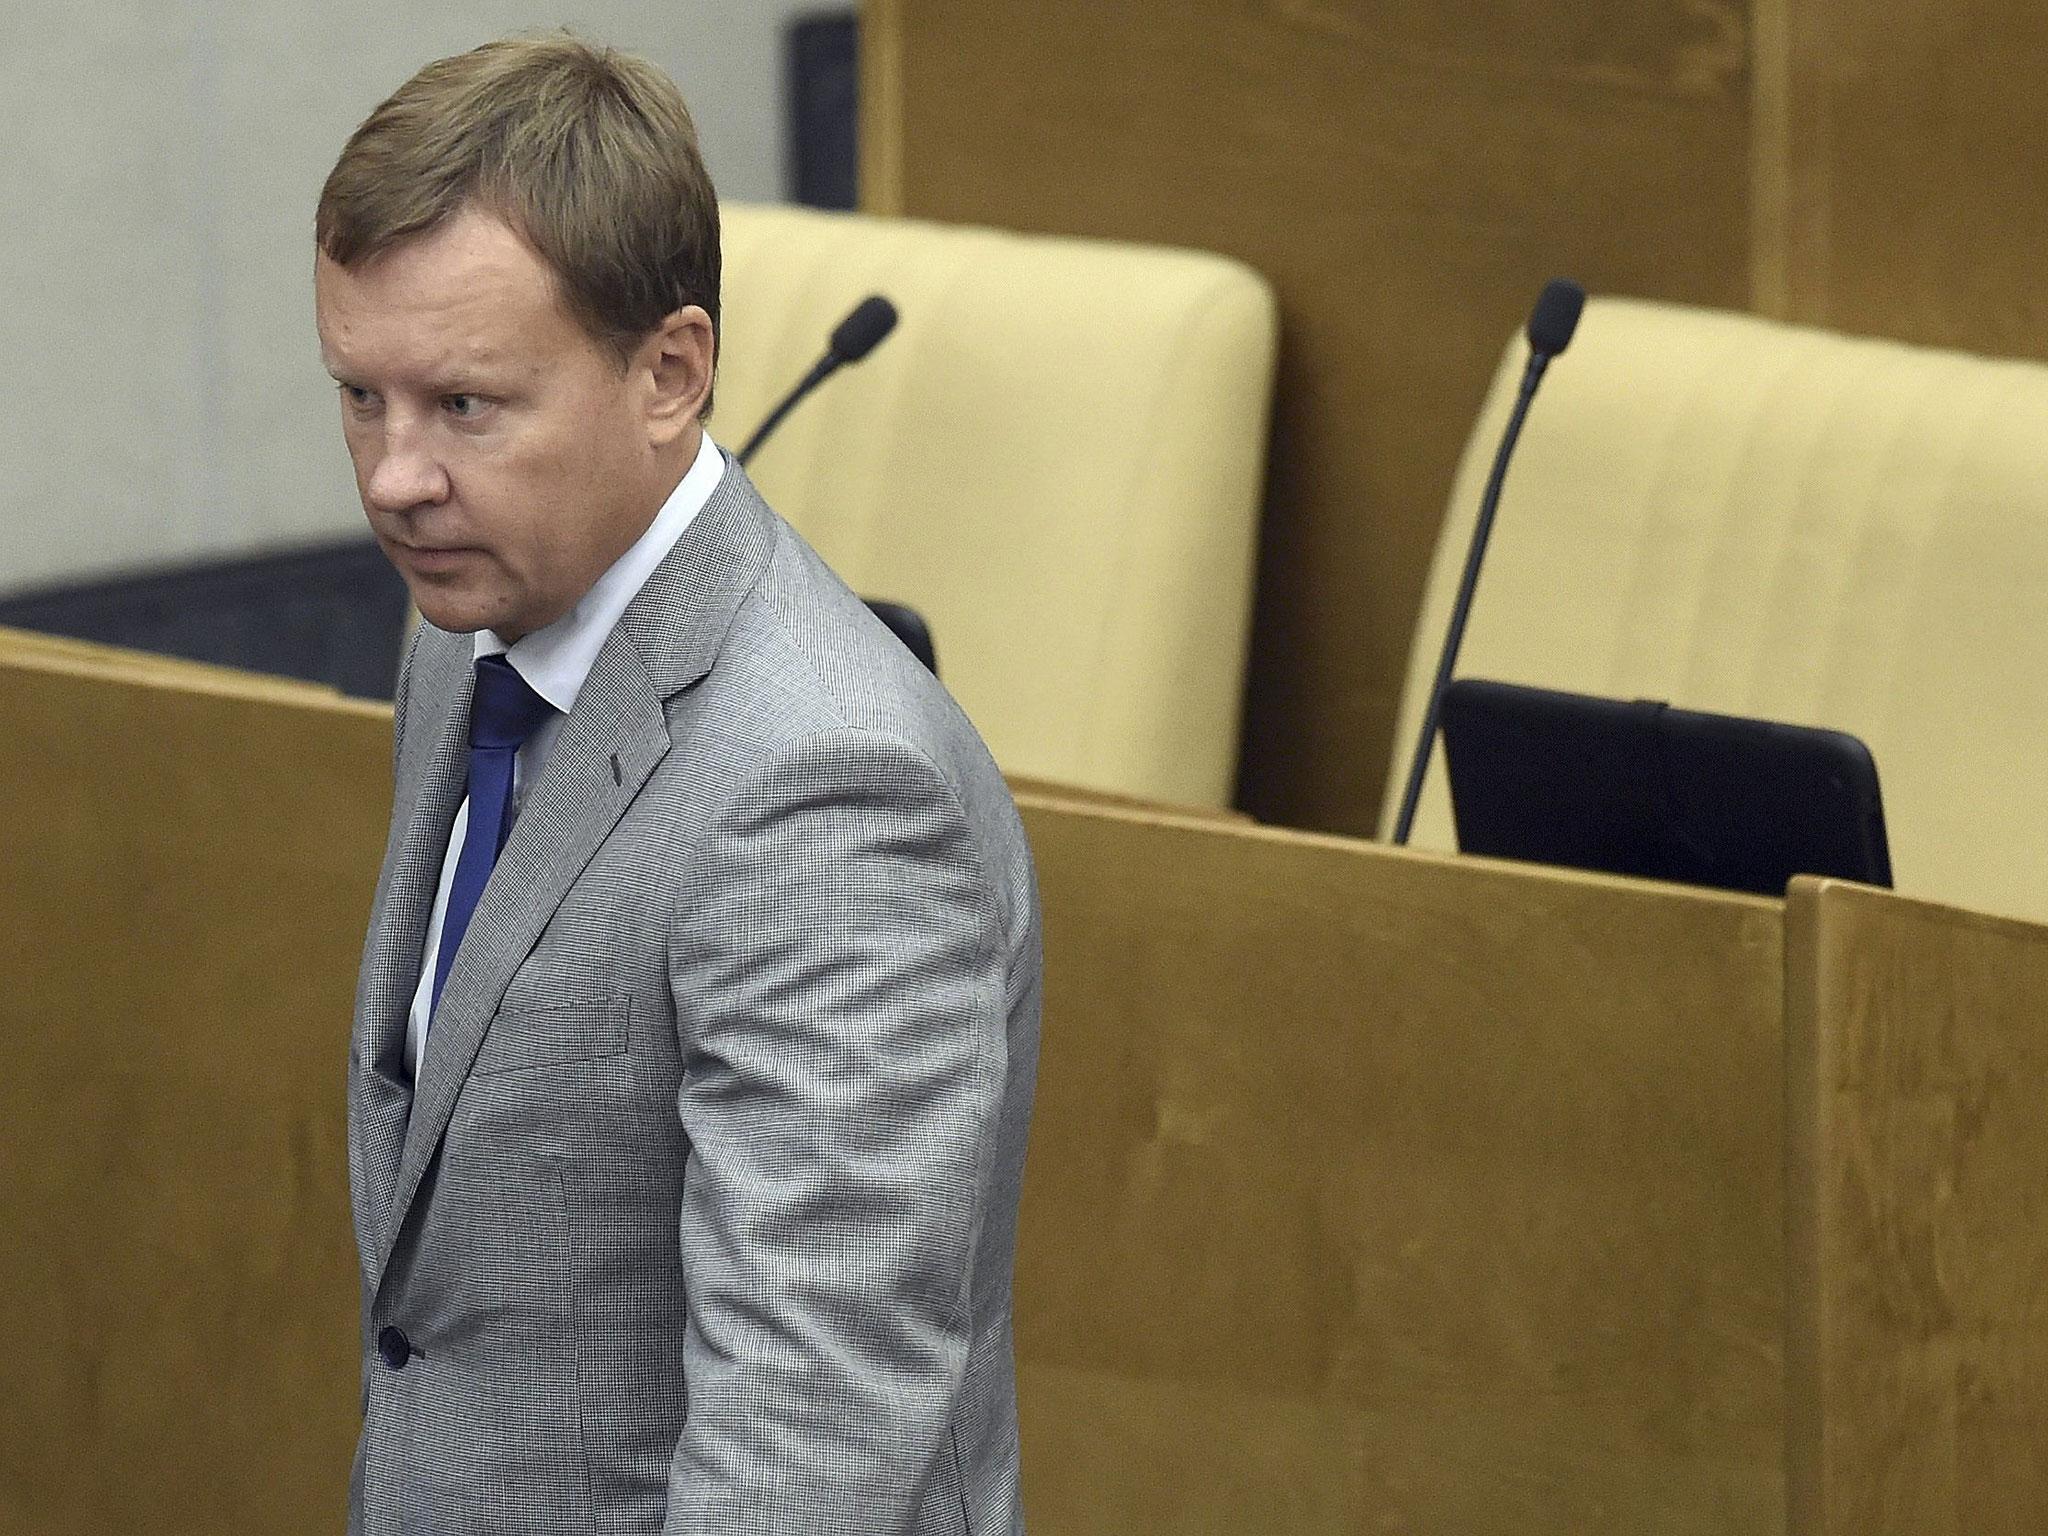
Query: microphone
point(1551, 325)
point(873, 318)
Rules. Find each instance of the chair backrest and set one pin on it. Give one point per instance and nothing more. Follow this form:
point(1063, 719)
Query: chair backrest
point(1761, 519)
point(1057, 459)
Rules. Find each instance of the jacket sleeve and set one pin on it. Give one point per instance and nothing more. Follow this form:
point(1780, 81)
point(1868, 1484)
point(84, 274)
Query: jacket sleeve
point(839, 987)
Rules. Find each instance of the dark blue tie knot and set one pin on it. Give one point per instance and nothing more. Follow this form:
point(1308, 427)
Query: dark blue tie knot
point(506, 710)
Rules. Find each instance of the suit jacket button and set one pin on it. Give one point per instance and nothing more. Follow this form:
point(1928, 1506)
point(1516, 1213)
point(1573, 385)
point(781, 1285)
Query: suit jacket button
point(395, 1347)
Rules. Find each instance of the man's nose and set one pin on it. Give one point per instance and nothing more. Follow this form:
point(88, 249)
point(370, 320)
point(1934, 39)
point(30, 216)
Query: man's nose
point(407, 474)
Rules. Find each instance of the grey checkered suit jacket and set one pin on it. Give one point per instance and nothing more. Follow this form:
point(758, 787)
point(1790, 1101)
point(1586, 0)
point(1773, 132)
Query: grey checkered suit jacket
point(701, 1215)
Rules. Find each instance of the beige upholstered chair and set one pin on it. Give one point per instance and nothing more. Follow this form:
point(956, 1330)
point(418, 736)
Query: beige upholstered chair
point(1755, 518)
point(1057, 459)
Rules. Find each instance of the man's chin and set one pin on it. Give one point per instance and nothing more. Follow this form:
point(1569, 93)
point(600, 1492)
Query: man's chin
point(452, 611)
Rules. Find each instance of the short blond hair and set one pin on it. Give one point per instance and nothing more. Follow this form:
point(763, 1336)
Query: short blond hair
point(587, 153)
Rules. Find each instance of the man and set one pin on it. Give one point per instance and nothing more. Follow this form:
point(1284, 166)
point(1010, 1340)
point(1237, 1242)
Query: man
point(698, 1016)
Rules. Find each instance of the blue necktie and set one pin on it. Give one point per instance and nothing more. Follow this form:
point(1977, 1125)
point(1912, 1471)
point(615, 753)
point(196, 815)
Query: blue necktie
point(504, 712)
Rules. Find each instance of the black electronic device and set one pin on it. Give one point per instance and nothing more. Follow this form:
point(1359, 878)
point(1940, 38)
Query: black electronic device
point(1641, 788)
point(909, 626)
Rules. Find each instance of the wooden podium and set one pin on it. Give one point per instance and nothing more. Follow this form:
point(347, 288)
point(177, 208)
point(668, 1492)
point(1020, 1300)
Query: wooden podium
point(1367, 1191)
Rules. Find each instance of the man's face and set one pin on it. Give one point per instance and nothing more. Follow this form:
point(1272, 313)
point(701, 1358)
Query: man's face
point(503, 458)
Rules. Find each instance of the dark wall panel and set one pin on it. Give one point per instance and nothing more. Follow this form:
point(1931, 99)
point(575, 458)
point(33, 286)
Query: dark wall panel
point(332, 614)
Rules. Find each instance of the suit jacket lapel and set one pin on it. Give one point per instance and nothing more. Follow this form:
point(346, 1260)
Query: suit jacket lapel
point(398, 924)
point(667, 639)
point(570, 809)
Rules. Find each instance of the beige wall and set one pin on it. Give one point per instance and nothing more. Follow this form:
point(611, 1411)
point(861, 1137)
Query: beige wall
point(1408, 174)
point(162, 397)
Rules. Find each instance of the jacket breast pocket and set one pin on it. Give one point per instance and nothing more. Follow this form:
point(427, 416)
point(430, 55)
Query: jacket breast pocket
point(541, 1037)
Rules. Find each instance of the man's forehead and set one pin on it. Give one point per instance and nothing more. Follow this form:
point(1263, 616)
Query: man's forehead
point(436, 282)
point(467, 301)
point(441, 356)
point(470, 243)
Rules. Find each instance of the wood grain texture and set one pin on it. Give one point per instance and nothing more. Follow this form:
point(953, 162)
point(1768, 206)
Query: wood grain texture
point(1371, 1191)
point(881, 107)
point(1917, 1389)
point(1407, 175)
point(1772, 196)
point(187, 867)
point(1913, 169)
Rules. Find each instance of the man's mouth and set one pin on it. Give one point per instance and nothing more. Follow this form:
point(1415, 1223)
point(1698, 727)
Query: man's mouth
point(433, 557)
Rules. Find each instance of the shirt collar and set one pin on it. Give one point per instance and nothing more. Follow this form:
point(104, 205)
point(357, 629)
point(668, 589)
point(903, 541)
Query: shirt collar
point(556, 660)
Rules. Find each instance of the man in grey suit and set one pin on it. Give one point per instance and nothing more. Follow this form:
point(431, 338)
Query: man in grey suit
point(698, 1017)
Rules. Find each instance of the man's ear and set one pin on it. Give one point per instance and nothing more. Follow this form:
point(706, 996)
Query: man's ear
point(676, 361)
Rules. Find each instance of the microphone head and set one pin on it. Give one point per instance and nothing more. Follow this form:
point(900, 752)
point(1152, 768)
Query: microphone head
point(1555, 317)
point(862, 331)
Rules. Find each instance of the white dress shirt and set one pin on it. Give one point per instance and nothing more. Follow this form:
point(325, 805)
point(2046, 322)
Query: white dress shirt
point(555, 661)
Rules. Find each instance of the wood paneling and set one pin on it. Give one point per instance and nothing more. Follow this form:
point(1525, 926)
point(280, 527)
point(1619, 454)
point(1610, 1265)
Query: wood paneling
point(186, 860)
point(1370, 1191)
point(1367, 1190)
point(1903, 170)
point(1917, 1390)
point(1408, 176)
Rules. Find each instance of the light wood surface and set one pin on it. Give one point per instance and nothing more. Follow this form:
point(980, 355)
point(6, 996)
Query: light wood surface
point(87, 658)
point(1372, 1191)
point(1917, 1394)
point(1367, 1190)
point(185, 873)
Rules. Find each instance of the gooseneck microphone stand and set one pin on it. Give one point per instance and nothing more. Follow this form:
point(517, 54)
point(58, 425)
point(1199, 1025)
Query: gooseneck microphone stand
point(1551, 325)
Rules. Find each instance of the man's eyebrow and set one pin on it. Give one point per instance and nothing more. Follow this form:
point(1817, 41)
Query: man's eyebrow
point(467, 377)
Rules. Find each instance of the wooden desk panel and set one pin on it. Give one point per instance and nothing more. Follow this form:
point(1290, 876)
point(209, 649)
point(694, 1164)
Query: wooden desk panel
point(1391, 1192)
point(186, 871)
point(1368, 1190)
point(1918, 1227)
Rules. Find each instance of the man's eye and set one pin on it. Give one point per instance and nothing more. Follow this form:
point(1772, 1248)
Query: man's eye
point(356, 397)
point(463, 405)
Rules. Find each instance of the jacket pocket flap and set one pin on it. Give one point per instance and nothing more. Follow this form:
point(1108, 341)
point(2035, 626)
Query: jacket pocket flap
point(538, 1037)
